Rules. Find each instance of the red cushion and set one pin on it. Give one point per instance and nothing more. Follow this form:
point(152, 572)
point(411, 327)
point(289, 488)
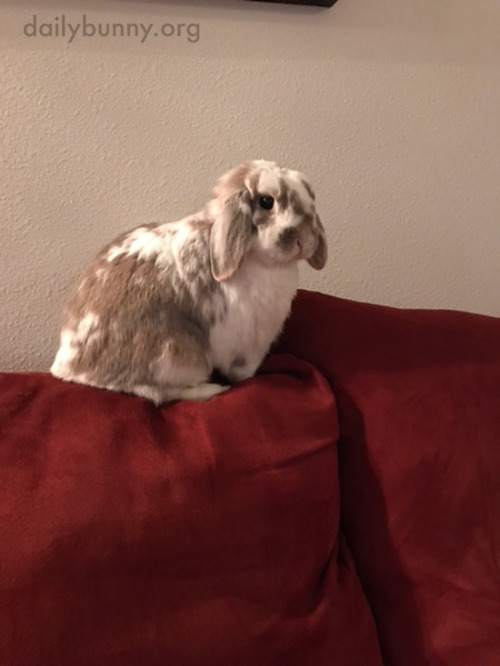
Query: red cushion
point(418, 395)
point(195, 534)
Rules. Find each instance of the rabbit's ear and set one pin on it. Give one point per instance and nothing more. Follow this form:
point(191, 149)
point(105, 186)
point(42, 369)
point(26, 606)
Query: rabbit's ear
point(231, 235)
point(318, 259)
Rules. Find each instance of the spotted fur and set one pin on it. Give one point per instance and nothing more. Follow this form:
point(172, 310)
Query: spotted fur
point(164, 307)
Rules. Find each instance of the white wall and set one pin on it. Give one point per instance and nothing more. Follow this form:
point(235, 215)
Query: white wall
point(392, 108)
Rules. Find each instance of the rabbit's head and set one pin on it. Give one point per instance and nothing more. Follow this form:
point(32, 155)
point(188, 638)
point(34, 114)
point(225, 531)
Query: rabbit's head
point(267, 212)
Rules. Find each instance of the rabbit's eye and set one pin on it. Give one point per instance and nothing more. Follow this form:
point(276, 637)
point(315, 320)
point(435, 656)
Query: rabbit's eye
point(266, 202)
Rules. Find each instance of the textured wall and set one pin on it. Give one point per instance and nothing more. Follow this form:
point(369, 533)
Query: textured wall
point(392, 108)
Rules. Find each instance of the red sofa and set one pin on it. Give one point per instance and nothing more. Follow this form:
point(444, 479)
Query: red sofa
point(342, 508)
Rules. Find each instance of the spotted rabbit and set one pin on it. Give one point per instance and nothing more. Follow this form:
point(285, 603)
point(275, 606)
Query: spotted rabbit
point(165, 305)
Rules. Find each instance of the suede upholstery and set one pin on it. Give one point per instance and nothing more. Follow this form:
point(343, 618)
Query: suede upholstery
point(418, 396)
point(340, 508)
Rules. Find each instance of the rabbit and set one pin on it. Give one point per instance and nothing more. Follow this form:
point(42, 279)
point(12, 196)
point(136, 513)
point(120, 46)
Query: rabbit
point(165, 307)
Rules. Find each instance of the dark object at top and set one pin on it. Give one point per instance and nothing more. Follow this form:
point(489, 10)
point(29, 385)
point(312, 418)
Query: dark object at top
point(311, 3)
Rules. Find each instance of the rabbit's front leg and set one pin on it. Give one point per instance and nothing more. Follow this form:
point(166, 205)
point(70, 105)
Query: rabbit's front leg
point(242, 368)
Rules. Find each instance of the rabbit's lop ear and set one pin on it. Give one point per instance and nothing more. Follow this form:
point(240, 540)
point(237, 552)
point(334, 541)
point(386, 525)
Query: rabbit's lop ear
point(318, 259)
point(231, 235)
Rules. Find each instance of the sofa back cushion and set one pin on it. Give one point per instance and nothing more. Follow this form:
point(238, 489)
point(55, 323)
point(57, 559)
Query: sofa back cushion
point(196, 534)
point(418, 395)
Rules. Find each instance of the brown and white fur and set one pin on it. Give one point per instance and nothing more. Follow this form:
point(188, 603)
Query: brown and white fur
point(165, 305)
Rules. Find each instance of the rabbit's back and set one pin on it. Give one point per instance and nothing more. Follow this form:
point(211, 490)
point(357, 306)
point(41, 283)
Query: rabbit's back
point(147, 294)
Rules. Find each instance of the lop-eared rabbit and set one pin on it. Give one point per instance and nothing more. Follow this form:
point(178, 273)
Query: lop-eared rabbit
point(165, 306)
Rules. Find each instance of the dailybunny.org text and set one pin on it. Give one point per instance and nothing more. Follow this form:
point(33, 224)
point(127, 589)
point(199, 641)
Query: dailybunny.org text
point(63, 27)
